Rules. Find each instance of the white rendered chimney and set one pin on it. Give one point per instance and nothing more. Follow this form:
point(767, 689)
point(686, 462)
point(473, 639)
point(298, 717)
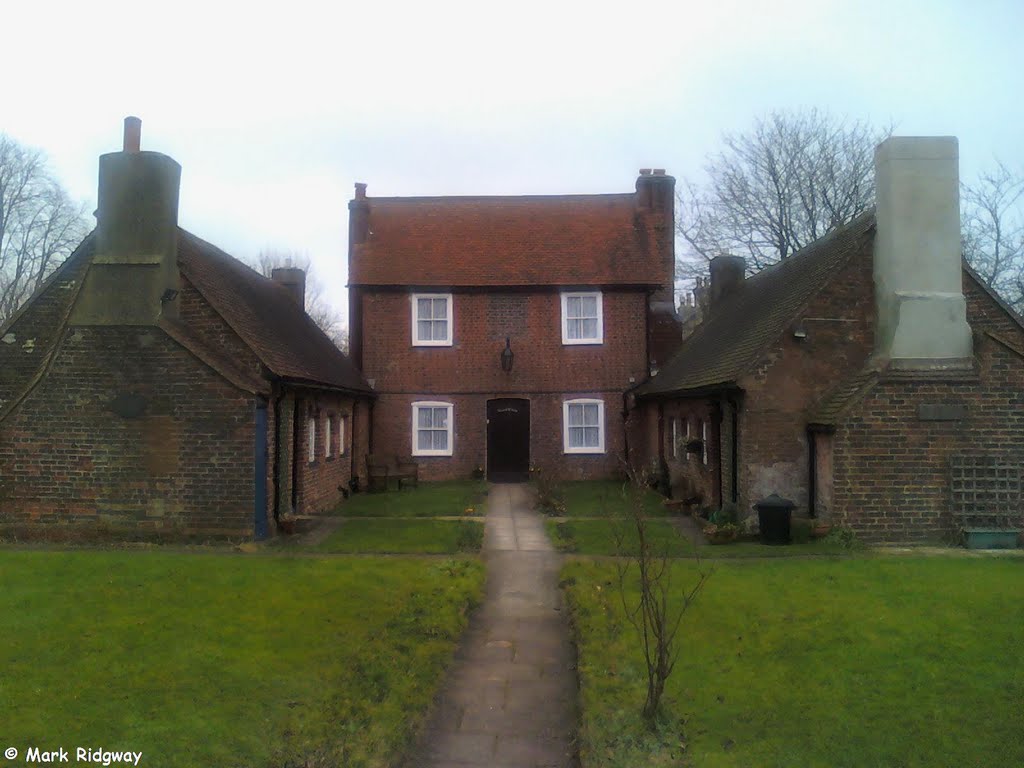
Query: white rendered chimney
point(922, 313)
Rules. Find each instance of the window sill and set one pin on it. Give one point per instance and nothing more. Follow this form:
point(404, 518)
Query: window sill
point(583, 451)
point(582, 342)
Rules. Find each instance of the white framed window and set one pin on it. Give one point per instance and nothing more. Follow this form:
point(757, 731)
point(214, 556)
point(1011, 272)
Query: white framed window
point(582, 318)
point(311, 429)
point(327, 437)
point(432, 319)
point(675, 437)
point(432, 429)
point(341, 435)
point(583, 426)
point(689, 434)
point(704, 441)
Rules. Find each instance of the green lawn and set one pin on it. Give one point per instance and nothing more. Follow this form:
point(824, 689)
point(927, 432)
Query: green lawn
point(599, 537)
point(404, 536)
point(854, 662)
point(604, 498)
point(428, 500)
point(227, 660)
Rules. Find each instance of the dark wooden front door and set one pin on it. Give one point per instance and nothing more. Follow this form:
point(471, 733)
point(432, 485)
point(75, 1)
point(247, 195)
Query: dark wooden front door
point(508, 440)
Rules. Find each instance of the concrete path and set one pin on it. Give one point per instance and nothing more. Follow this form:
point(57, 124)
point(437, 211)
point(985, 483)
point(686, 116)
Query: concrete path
point(510, 700)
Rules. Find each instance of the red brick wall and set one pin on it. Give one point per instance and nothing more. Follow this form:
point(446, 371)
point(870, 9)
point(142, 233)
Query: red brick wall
point(891, 477)
point(320, 482)
point(468, 373)
point(393, 435)
point(184, 467)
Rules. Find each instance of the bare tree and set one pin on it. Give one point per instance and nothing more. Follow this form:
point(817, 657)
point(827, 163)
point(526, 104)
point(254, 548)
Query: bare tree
point(39, 224)
point(319, 310)
point(790, 180)
point(993, 231)
point(652, 602)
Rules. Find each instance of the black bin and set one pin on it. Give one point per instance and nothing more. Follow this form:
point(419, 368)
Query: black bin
point(773, 518)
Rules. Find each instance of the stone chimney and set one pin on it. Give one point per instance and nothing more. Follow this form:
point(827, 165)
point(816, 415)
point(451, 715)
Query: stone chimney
point(294, 279)
point(133, 278)
point(922, 312)
point(655, 219)
point(727, 275)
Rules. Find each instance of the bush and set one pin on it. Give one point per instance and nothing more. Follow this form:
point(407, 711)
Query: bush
point(550, 498)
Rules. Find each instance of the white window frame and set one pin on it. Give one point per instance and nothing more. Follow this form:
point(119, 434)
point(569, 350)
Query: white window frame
point(341, 435)
point(599, 448)
point(311, 428)
point(416, 450)
point(675, 437)
point(599, 338)
point(689, 456)
point(704, 442)
point(327, 437)
point(414, 302)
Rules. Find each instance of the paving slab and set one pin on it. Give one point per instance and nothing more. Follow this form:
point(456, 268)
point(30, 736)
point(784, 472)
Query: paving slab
point(510, 700)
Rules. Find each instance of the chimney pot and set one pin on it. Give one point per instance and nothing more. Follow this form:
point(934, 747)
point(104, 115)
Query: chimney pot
point(645, 171)
point(360, 191)
point(658, 172)
point(132, 134)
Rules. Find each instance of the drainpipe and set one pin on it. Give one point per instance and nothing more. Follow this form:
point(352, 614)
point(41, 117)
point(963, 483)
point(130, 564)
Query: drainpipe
point(812, 480)
point(735, 468)
point(625, 426)
point(295, 457)
point(277, 454)
point(369, 433)
point(352, 480)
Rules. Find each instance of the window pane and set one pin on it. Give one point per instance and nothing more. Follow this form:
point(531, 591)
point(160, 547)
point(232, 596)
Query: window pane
point(440, 309)
point(441, 418)
point(423, 417)
point(423, 309)
point(575, 437)
point(590, 415)
point(423, 441)
point(440, 330)
point(588, 306)
point(591, 437)
point(575, 415)
point(588, 329)
point(440, 440)
point(424, 330)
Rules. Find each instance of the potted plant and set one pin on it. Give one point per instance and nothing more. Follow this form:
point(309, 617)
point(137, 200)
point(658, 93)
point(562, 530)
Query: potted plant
point(721, 534)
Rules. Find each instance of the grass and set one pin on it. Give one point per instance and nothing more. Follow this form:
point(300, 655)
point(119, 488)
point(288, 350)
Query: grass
point(428, 500)
point(856, 662)
point(223, 659)
point(604, 498)
point(598, 537)
point(404, 536)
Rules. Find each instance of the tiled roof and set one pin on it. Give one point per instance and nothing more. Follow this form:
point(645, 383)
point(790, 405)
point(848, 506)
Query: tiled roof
point(508, 241)
point(846, 393)
point(737, 331)
point(265, 316)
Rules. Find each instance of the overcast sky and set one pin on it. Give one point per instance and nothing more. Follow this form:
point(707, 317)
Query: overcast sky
point(275, 109)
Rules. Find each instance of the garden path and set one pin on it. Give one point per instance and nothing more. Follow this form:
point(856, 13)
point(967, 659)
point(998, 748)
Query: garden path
point(510, 699)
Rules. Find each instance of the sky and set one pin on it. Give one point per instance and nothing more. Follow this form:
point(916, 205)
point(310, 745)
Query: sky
point(274, 110)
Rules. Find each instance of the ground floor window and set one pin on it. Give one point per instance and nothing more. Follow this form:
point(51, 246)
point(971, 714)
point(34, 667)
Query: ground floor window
point(583, 426)
point(341, 436)
point(327, 437)
point(311, 429)
point(432, 429)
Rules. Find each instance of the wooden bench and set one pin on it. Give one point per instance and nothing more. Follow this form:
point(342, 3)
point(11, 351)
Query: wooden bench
point(380, 469)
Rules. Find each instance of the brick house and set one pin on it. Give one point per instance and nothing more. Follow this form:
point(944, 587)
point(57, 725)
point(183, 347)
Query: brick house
point(856, 376)
point(157, 387)
point(501, 333)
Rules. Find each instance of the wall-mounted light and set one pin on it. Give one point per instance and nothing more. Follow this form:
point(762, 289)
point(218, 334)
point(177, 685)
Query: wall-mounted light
point(799, 332)
point(169, 294)
point(507, 356)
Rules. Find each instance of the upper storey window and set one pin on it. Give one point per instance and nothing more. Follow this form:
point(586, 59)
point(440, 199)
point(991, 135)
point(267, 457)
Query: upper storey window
point(432, 319)
point(582, 321)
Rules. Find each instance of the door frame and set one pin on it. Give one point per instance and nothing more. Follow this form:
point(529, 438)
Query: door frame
point(487, 431)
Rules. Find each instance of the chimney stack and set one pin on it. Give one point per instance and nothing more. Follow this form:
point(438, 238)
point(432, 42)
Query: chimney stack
point(133, 278)
point(655, 190)
point(727, 275)
point(358, 217)
point(922, 312)
point(294, 279)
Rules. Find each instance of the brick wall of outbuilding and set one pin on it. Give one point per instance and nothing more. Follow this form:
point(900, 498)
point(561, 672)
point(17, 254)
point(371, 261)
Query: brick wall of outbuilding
point(182, 468)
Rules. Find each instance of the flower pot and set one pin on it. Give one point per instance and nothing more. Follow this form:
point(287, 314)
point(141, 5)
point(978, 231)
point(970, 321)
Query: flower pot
point(990, 538)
